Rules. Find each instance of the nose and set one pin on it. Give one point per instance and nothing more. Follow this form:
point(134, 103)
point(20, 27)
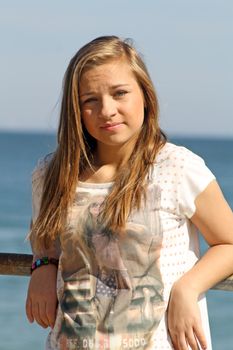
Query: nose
point(108, 108)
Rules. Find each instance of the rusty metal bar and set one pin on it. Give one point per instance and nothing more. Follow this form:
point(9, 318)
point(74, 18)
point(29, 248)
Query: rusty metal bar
point(15, 264)
point(20, 265)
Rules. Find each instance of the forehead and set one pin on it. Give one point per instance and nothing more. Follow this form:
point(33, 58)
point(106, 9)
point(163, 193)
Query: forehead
point(112, 73)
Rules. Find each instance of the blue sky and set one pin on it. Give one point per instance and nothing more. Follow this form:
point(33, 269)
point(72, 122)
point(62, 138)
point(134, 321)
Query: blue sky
point(187, 46)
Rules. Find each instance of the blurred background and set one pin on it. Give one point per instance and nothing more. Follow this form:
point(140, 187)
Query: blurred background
point(187, 46)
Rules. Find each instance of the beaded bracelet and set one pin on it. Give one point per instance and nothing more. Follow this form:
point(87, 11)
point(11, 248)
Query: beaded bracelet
point(43, 261)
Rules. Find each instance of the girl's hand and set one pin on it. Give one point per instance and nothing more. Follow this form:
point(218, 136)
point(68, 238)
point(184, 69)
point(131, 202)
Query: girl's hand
point(41, 303)
point(184, 320)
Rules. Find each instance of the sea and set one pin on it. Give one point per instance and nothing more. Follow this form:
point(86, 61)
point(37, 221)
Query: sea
point(19, 153)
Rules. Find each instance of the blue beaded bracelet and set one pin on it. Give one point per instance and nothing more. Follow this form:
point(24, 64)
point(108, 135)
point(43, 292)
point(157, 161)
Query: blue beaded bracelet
point(43, 261)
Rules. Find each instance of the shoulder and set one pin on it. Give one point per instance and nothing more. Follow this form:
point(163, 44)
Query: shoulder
point(175, 155)
point(181, 175)
point(41, 166)
point(174, 163)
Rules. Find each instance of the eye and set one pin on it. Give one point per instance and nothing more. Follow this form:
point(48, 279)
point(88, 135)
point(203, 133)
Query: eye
point(121, 93)
point(89, 100)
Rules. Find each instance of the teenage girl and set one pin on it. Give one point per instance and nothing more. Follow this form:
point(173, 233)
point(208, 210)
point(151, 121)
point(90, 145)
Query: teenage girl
point(116, 210)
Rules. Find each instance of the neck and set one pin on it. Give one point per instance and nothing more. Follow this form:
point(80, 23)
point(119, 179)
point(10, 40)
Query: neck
point(107, 160)
point(113, 155)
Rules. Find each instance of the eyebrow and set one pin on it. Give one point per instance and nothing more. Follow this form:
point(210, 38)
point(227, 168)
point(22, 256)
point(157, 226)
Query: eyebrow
point(111, 87)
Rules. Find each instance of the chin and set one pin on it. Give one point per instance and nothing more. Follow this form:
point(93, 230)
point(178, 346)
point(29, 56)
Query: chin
point(119, 141)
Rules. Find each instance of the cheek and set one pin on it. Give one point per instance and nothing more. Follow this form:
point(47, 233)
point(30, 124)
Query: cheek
point(139, 111)
point(87, 119)
point(85, 115)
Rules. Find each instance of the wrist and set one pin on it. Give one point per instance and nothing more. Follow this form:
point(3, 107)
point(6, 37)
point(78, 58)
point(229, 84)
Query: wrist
point(44, 261)
point(183, 286)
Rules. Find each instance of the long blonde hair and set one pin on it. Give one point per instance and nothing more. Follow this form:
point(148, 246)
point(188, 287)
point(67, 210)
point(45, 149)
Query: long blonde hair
point(76, 146)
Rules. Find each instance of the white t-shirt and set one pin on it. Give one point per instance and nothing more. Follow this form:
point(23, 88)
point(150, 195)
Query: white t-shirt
point(113, 290)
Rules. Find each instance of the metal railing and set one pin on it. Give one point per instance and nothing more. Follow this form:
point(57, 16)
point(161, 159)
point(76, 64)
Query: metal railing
point(20, 265)
point(15, 264)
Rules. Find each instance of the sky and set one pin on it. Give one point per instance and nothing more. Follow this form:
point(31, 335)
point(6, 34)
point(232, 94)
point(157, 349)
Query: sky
point(187, 46)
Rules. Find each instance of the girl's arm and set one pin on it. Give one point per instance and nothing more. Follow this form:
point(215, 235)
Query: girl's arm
point(41, 302)
point(214, 218)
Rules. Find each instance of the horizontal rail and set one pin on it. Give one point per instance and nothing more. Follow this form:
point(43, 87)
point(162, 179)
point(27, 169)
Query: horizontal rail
point(15, 264)
point(20, 265)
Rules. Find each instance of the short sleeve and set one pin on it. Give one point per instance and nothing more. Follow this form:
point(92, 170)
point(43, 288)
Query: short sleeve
point(195, 177)
point(38, 176)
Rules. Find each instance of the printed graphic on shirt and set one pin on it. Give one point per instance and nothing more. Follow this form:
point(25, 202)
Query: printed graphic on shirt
point(113, 290)
point(86, 293)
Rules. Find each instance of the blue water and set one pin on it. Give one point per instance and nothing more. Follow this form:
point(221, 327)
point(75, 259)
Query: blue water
point(18, 156)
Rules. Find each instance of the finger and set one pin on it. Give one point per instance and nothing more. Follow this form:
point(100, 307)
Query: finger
point(42, 315)
point(51, 313)
point(36, 309)
point(200, 336)
point(181, 342)
point(192, 340)
point(29, 310)
point(174, 343)
point(178, 342)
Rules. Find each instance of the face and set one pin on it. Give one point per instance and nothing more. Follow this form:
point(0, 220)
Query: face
point(112, 103)
point(94, 208)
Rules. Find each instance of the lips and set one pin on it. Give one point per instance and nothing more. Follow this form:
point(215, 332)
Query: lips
point(111, 126)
